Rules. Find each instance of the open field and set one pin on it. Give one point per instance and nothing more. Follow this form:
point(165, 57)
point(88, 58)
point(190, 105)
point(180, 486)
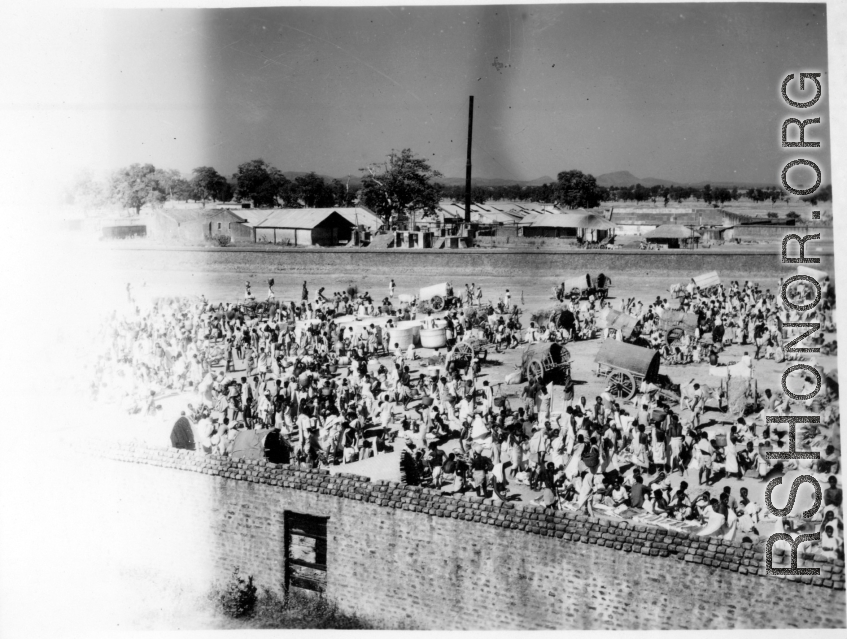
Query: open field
point(220, 276)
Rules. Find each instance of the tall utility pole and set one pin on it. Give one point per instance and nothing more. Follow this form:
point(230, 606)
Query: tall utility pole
point(468, 166)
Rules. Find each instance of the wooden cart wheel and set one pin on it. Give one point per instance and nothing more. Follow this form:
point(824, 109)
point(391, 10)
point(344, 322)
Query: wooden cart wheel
point(674, 335)
point(437, 303)
point(621, 385)
point(534, 370)
point(462, 350)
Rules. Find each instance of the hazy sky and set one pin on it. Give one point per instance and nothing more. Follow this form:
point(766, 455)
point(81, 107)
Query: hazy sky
point(681, 92)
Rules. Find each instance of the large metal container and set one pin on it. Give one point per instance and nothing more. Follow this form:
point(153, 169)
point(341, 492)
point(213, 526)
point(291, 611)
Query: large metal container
point(416, 329)
point(434, 337)
point(402, 337)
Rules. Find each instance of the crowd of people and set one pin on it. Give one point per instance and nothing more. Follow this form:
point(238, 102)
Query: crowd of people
point(711, 319)
point(335, 391)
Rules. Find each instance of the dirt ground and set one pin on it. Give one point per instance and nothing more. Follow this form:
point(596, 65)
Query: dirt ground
point(107, 290)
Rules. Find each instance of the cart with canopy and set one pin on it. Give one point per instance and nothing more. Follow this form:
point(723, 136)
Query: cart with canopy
point(546, 362)
point(625, 366)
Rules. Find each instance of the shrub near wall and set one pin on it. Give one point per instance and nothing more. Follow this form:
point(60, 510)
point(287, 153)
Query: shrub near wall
point(415, 558)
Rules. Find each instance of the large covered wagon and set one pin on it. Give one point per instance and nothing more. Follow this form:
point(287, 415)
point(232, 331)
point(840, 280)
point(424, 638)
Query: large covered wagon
point(562, 317)
point(583, 286)
point(618, 322)
point(546, 362)
point(707, 281)
point(439, 296)
point(678, 323)
point(625, 366)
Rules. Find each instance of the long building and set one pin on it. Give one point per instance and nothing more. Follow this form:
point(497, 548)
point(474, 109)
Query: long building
point(304, 227)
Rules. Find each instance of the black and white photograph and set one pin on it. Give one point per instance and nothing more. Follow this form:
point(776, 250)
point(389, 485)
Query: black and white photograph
point(422, 317)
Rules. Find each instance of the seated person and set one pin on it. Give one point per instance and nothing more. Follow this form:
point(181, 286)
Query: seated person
point(679, 506)
point(638, 493)
point(833, 496)
point(830, 461)
point(749, 513)
point(659, 503)
point(830, 544)
point(619, 495)
point(712, 518)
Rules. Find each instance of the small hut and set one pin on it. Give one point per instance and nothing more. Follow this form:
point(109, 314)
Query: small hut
point(673, 236)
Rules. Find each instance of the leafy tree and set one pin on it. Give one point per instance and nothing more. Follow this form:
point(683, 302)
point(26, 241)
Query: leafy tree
point(400, 187)
point(136, 185)
point(88, 192)
point(823, 194)
point(544, 193)
point(168, 180)
point(479, 195)
point(707, 194)
point(792, 215)
point(721, 195)
point(208, 184)
point(639, 193)
point(342, 194)
point(772, 215)
point(314, 191)
point(262, 183)
point(288, 192)
point(183, 189)
point(227, 192)
point(575, 189)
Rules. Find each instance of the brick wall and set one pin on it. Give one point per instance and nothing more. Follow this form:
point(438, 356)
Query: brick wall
point(769, 233)
point(411, 557)
point(514, 241)
point(541, 262)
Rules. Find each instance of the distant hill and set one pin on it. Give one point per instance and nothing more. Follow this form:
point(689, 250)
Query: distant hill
point(625, 178)
point(457, 181)
point(729, 185)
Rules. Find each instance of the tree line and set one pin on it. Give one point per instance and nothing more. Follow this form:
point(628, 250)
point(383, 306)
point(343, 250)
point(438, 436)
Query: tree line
point(593, 195)
point(397, 189)
point(139, 185)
